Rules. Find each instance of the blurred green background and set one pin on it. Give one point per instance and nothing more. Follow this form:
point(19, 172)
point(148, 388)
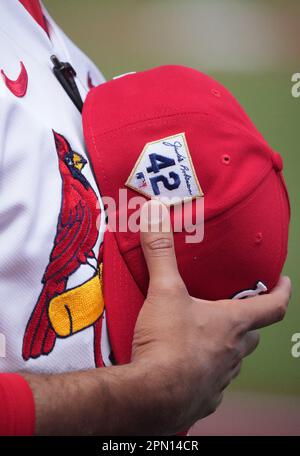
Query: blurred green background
point(253, 48)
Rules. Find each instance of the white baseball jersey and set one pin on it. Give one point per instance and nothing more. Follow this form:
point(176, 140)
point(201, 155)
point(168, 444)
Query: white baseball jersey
point(51, 217)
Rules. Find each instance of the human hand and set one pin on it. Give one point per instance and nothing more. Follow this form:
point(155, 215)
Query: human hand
point(195, 346)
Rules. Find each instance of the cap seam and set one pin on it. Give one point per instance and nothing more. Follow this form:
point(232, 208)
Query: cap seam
point(93, 143)
point(281, 250)
point(256, 182)
point(227, 212)
point(115, 131)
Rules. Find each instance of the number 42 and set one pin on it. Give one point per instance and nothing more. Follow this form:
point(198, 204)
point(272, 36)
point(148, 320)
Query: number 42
point(159, 162)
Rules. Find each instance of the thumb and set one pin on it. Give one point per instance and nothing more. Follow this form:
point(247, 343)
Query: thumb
point(158, 246)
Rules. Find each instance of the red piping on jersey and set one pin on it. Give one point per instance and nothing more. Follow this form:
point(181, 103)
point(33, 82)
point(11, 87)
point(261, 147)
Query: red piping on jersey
point(34, 8)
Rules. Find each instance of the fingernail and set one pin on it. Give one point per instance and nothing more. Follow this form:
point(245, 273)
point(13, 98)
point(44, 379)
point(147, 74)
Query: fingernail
point(154, 214)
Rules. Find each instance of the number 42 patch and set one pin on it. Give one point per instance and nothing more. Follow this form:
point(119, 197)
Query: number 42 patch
point(164, 170)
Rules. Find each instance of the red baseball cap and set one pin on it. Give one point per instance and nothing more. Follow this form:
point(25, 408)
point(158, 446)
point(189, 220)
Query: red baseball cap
point(174, 131)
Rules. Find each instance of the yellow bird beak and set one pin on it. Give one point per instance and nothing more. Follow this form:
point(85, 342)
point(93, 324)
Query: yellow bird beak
point(78, 161)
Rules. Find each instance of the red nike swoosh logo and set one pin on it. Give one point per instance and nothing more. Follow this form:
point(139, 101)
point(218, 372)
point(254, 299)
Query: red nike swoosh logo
point(19, 86)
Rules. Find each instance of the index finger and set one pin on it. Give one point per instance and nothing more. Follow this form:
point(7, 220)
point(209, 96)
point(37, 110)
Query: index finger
point(265, 310)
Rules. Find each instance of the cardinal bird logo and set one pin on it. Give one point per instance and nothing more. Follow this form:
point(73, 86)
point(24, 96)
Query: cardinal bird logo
point(61, 312)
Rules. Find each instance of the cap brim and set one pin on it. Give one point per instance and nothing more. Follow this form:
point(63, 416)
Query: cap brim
point(123, 300)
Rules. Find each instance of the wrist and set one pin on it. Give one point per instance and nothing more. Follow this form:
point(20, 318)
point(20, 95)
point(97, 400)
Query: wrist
point(149, 391)
point(142, 397)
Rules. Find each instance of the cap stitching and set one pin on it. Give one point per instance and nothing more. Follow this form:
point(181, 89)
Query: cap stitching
point(255, 182)
point(234, 128)
point(92, 136)
point(136, 124)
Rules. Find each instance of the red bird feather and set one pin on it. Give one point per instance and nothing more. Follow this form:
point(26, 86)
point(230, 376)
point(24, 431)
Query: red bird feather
point(75, 238)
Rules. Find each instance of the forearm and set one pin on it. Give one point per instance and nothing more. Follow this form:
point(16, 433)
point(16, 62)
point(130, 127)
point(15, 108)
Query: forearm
point(117, 400)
